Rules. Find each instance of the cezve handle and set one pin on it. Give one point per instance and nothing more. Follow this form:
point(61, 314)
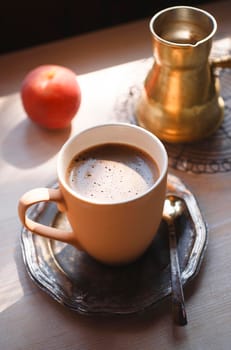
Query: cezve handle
point(221, 62)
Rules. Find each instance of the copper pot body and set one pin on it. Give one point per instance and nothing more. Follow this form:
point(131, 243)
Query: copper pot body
point(181, 101)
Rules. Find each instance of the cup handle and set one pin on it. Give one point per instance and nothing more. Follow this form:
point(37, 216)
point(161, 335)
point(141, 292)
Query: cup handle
point(44, 195)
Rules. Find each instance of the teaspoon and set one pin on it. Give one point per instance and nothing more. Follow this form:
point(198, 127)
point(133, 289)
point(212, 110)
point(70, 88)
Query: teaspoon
point(173, 208)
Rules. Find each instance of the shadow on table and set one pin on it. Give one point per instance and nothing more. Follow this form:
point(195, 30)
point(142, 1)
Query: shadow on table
point(28, 145)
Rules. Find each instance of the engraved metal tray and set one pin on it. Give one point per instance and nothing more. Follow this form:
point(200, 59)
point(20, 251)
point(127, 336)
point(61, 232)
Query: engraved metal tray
point(82, 284)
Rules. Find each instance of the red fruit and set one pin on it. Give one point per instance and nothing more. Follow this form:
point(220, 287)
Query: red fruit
point(51, 96)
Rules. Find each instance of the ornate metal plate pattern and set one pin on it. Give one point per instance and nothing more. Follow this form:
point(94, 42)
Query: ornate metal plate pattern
point(82, 284)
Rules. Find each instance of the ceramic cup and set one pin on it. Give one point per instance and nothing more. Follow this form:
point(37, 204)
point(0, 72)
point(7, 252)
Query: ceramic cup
point(112, 233)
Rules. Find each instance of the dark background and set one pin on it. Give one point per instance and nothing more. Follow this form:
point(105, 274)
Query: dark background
point(25, 23)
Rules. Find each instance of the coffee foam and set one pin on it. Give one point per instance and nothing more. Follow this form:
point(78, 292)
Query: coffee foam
point(112, 173)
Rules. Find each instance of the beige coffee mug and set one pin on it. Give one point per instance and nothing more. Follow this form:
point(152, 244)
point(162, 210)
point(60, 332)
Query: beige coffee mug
point(112, 233)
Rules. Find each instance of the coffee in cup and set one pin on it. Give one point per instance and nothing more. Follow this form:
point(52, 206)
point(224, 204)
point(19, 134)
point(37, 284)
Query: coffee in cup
point(112, 185)
point(112, 172)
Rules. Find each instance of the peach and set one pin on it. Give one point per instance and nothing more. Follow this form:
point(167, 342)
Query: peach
point(51, 96)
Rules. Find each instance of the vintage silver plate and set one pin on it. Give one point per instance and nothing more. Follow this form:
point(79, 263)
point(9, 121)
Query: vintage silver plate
point(82, 284)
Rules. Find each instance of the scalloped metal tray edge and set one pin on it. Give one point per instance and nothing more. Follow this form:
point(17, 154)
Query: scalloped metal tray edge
point(49, 277)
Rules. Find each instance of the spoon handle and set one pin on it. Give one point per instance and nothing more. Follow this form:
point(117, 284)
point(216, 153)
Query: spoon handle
point(179, 312)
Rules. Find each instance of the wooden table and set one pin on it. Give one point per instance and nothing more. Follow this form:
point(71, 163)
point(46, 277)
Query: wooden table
point(29, 318)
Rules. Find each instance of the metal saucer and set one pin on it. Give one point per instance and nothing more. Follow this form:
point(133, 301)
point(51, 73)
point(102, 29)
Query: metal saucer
point(82, 284)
